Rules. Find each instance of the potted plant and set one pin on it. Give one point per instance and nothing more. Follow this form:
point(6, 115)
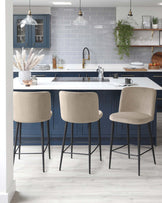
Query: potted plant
point(155, 23)
point(123, 33)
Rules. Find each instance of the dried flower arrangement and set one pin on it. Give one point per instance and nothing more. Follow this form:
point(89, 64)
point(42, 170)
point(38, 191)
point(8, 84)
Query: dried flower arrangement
point(25, 62)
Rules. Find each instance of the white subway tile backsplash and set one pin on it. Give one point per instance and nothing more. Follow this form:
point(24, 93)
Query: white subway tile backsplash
point(68, 41)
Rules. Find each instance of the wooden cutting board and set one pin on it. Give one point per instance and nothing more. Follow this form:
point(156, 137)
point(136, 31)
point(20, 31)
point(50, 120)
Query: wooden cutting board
point(135, 69)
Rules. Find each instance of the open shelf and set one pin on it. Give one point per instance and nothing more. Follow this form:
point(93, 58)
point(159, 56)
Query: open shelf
point(147, 29)
point(146, 45)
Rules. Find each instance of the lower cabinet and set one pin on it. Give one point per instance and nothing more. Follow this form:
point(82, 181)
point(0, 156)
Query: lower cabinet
point(157, 77)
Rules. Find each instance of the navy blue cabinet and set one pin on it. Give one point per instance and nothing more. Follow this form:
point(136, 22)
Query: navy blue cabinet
point(157, 77)
point(32, 36)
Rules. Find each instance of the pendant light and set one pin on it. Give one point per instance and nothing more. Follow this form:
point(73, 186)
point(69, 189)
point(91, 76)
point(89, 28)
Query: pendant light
point(80, 19)
point(28, 20)
point(130, 14)
point(130, 18)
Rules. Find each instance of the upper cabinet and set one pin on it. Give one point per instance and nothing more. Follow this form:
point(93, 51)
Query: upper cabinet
point(32, 36)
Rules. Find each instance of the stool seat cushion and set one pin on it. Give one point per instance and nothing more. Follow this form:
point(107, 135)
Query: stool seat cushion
point(135, 118)
point(31, 107)
point(79, 107)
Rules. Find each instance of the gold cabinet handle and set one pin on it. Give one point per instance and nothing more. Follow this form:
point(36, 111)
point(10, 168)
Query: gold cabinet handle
point(157, 76)
point(127, 75)
point(40, 75)
point(160, 99)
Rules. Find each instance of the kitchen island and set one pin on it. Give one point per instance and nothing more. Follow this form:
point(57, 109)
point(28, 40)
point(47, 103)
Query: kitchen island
point(110, 70)
point(109, 95)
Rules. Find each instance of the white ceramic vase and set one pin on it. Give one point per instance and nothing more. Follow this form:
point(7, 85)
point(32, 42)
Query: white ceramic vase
point(154, 26)
point(24, 75)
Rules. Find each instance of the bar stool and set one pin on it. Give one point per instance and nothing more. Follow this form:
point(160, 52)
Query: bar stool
point(80, 108)
point(137, 107)
point(32, 107)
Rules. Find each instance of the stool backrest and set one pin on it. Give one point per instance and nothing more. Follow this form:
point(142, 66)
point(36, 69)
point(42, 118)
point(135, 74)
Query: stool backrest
point(79, 107)
point(138, 99)
point(31, 107)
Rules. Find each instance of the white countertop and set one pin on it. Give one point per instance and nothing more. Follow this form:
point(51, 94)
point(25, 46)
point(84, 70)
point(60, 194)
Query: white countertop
point(45, 83)
point(92, 68)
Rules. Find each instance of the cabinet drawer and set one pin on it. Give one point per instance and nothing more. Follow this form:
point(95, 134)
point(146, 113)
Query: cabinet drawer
point(131, 74)
point(157, 78)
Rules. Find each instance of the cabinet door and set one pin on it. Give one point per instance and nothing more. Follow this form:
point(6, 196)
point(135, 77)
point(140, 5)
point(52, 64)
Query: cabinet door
point(20, 35)
point(41, 32)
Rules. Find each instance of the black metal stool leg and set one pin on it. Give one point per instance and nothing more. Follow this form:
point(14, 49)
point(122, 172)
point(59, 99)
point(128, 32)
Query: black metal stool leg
point(89, 140)
point(72, 126)
point(151, 141)
point(63, 143)
point(139, 145)
point(49, 141)
point(42, 141)
point(20, 139)
point(15, 144)
point(99, 136)
point(128, 139)
point(111, 144)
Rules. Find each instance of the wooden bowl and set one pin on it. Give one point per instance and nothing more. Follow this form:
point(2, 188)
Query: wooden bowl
point(154, 67)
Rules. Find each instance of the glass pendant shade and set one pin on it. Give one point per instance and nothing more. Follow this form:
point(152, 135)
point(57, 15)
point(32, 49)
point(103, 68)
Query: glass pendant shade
point(130, 18)
point(132, 22)
point(80, 19)
point(28, 20)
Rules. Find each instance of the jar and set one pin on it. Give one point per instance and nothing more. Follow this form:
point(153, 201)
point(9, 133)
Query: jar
point(34, 80)
point(60, 64)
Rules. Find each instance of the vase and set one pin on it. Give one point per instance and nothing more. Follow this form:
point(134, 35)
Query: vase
point(154, 26)
point(24, 75)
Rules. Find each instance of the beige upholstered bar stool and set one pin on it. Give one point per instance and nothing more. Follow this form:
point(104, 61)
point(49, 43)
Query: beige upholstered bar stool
point(80, 107)
point(137, 107)
point(32, 107)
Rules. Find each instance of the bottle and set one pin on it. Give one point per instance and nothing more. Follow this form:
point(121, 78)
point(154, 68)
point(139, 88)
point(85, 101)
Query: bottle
point(54, 62)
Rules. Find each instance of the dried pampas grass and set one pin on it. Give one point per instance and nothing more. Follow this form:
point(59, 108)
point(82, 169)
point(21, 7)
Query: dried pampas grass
point(26, 62)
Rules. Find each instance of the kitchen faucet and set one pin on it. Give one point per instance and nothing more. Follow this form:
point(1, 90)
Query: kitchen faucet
point(100, 71)
point(83, 63)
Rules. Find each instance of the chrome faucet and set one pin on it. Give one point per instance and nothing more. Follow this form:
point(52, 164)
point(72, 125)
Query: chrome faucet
point(83, 62)
point(100, 71)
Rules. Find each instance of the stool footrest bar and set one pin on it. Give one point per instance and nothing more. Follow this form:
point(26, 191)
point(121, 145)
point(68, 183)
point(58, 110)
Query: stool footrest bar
point(79, 153)
point(132, 154)
point(119, 147)
point(66, 148)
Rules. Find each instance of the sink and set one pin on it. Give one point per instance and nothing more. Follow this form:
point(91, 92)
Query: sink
point(78, 79)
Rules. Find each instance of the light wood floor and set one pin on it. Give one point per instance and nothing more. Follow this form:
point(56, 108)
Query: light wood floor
point(74, 185)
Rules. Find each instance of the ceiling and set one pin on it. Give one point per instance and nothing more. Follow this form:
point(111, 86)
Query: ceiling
point(90, 3)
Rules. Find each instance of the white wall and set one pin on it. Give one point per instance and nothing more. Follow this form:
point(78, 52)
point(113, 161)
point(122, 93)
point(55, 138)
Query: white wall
point(7, 185)
point(138, 12)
